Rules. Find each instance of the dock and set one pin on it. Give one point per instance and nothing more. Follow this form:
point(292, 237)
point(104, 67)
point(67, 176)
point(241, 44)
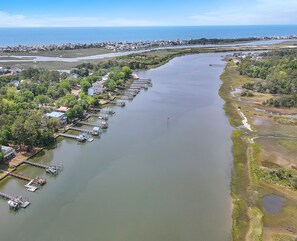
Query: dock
point(126, 97)
point(37, 180)
point(80, 129)
point(52, 169)
point(15, 202)
point(87, 124)
point(69, 136)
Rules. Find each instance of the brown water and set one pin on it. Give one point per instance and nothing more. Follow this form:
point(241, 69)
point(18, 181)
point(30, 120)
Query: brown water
point(148, 178)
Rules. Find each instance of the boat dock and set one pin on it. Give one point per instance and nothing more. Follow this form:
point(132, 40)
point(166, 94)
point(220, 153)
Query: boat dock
point(87, 124)
point(37, 180)
point(53, 169)
point(69, 136)
point(80, 129)
point(15, 202)
point(126, 97)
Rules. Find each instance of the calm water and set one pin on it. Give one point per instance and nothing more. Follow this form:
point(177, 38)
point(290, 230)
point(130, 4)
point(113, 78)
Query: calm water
point(30, 36)
point(147, 178)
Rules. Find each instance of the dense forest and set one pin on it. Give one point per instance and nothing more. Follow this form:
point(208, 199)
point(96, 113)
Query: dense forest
point(275, 72)
point(26, 98)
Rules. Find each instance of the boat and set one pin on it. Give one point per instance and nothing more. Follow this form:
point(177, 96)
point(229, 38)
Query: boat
point(120, 103)
point(104, 125)
point(103, 116)
point(13, 204)
point(52, 170)
point(81, 138)
point(107, 111)
point(96, 131)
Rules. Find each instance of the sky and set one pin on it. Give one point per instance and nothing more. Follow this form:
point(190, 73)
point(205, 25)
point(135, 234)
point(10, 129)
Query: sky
point(93, 13)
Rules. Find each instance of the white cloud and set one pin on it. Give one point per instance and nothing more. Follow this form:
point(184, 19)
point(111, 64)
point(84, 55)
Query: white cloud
point(7, 20)
point(262, 12)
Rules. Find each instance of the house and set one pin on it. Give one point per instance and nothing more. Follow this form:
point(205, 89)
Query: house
point(57, 115)
point(74, 75)
point(16, 83)
point(96, 89)
point(15, 71)
point(8, 152)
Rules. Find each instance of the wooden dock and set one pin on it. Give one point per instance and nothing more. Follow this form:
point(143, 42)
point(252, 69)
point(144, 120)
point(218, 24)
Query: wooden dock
point(68, 136)
point(38, 180)
point(37, 164)
point(52, 169)
point(19, 201)
point(80, 129)
point(87, 124)
point(126, 97)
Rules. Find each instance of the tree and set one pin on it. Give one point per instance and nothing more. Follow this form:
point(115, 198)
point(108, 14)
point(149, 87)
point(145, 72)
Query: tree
point(111, 85)
point(85, 85)
point(127, 71)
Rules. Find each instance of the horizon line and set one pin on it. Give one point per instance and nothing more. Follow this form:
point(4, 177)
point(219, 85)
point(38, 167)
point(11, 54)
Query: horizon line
point(152, 26)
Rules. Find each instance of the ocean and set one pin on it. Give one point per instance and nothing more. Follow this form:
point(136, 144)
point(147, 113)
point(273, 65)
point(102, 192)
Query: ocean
point(40, 36)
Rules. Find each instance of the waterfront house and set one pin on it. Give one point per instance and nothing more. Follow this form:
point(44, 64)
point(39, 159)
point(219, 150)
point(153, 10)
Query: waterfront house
point(61, 116)
point(96, 89)
point(8, 152)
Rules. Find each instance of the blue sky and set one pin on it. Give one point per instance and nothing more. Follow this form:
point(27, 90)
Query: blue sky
point(54, 13)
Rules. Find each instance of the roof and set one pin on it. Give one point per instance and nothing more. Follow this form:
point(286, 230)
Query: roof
point(62, 109)
point(6, 149)
point(96, 128)
point(55, 114)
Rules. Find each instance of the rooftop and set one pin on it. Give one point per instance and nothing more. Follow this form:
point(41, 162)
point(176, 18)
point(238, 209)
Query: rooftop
point(55, 114)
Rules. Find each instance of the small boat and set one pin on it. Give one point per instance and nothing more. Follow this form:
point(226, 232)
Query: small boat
point(103, 116)
point(96, 131)
point(104, 125)
point(52, 170)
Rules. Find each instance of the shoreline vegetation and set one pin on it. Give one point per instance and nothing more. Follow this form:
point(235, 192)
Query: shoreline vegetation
point(256, 172)
point(263, 163)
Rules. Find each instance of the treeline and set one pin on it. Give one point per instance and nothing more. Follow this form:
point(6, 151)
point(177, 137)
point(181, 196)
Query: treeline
point(204, 41)
point(276, 73)
point(25, 99)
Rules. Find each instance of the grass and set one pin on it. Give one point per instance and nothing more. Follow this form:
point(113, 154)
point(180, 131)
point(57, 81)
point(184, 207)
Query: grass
point(290, 145)
point(251, 181)
point(256, 225)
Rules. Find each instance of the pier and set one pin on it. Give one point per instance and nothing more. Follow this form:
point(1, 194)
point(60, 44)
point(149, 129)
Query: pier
point(37, 180)
point(87, 124)
point(126, 97)
point(15, 202)
point(53, 169)
point(80, 129)
point(78, 138)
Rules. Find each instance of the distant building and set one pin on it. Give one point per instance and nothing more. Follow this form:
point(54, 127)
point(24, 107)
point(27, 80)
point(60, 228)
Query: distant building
point(8, 152)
